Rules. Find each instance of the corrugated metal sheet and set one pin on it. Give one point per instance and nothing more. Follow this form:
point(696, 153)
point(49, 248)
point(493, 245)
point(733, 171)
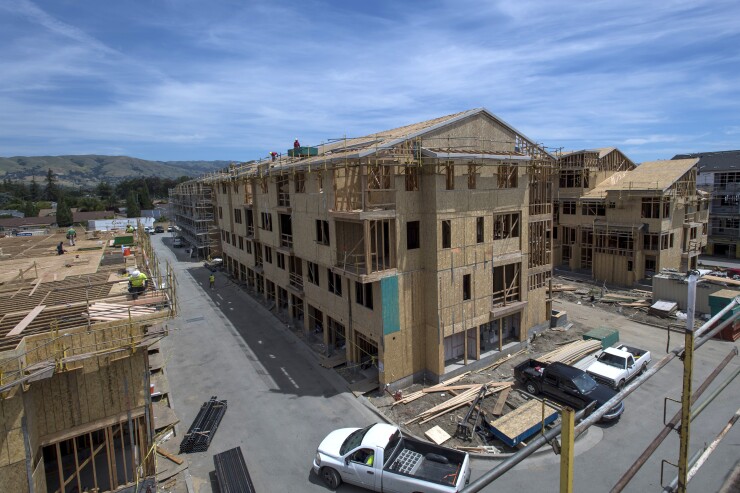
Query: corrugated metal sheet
point(389, 295)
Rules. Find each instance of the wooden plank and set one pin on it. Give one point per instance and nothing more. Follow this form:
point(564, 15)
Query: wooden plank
point(499, 406)
point(171, 457)
point(437, 435)
point(27, 320)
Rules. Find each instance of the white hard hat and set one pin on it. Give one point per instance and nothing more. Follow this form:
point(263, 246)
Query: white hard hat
point(135, 273)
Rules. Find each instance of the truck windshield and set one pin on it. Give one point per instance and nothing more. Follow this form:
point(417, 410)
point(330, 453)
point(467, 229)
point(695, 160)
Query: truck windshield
point(611, 360)
point(354, 440)
point(585, 383)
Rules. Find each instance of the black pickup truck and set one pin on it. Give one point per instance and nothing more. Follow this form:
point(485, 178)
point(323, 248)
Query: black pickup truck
point(566, 385)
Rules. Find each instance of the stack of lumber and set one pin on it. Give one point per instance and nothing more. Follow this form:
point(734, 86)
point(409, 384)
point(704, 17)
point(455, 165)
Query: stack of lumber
point(117, 311)
point(663, 309)
point(460, 400)
point(556, 288)
point(570, 353)
point(622, 298)
point(440, 387)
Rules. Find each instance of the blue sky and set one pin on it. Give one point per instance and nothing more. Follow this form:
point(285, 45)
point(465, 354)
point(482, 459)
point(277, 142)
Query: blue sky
point(220, 79)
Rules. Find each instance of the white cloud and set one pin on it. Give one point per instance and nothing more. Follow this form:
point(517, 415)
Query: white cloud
point(249, 77)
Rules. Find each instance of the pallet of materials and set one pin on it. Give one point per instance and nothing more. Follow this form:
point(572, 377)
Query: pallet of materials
point(523, 422)
point(663, 309)
point(199, 435)
point(232, 473)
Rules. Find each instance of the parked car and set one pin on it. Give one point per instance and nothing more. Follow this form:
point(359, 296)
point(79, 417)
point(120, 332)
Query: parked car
point(380, 458)
point(567, 385)
point(159, 229)
point(170, 229)
point(147, 230)
point(178, 242)
point(617, 366)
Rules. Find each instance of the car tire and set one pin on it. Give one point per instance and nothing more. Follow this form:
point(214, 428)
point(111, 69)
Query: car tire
point(532, 387)
point(620, 385)
point(643, 369)
point(331, 478)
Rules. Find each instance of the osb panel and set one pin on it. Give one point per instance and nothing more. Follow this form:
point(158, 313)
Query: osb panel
point(13, 478)
point(11, 412)
point(75, 398)
point(16, 448)
point(39, 478)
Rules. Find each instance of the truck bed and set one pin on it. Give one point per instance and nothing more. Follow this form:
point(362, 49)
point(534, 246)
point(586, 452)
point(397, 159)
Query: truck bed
point(416, 459)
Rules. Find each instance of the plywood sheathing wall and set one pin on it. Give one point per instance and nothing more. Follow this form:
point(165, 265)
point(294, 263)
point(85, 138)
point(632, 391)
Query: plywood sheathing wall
point(101, 388)
point(12, 449)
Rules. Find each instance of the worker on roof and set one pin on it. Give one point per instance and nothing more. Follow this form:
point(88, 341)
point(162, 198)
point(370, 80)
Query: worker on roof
point(60, 248)
point(137, 283)
point(71, 235)
point(129, 228)
point(274, 155)
point(296, 144)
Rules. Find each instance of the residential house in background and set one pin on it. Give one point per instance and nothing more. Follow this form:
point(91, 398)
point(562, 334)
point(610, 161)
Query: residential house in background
point(623, 223)
point(719, 175)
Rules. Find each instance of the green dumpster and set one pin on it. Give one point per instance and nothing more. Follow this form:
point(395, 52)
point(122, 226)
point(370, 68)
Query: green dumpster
point(608, 337)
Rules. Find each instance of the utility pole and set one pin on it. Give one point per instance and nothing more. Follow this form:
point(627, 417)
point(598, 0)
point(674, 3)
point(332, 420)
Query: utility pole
point(688, 367)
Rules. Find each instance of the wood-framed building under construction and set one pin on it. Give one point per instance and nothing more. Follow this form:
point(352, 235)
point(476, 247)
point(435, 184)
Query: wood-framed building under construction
point(75, 407)
point(417, 251)
point(623, 223)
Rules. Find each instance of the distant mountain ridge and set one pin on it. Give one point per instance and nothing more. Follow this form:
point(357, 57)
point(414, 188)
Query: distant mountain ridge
point(89, 170)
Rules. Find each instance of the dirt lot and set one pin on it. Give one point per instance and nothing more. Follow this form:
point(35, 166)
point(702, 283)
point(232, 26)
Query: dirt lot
point(583, 313)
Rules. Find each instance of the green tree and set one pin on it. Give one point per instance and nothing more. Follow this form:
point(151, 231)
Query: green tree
point(145, 200)
point(51, 192)
point(30, 209)
point(132, 205)
point(34, 190)
point(64, 213)
point(90, 204)
point(106, 194)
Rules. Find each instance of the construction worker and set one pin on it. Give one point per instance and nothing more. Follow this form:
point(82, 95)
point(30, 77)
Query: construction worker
point(137, 283)
point(71, 235)
point(296, 144)
point(274, 155)
point(129, 228)
point(212, 281)
point(60, 248)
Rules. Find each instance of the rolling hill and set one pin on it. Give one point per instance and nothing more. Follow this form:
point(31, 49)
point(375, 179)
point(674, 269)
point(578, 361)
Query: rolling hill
point(89, 170)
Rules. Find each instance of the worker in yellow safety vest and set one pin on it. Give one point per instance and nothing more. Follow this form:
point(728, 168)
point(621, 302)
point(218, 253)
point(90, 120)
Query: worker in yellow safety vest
point(137, 283)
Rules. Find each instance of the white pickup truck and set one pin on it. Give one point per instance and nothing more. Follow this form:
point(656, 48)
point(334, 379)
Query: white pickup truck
point(615, 366)
point(380, 458)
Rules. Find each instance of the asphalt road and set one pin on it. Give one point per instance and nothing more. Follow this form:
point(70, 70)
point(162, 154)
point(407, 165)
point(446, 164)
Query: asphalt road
point(282, 403)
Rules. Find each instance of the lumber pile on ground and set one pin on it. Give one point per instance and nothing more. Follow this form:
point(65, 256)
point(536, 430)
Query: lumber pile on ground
point(557, 288)
point(663, 309)
point(117, 311)
point(460, 400)
point(623, 298)
point(440, 387)
point(570, 353)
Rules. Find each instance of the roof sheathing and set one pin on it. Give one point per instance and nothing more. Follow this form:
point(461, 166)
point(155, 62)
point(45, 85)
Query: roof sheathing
point(361, 147)
point(648, 176)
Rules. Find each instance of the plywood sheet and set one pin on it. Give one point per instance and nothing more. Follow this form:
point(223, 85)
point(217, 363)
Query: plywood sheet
point(437, 435)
